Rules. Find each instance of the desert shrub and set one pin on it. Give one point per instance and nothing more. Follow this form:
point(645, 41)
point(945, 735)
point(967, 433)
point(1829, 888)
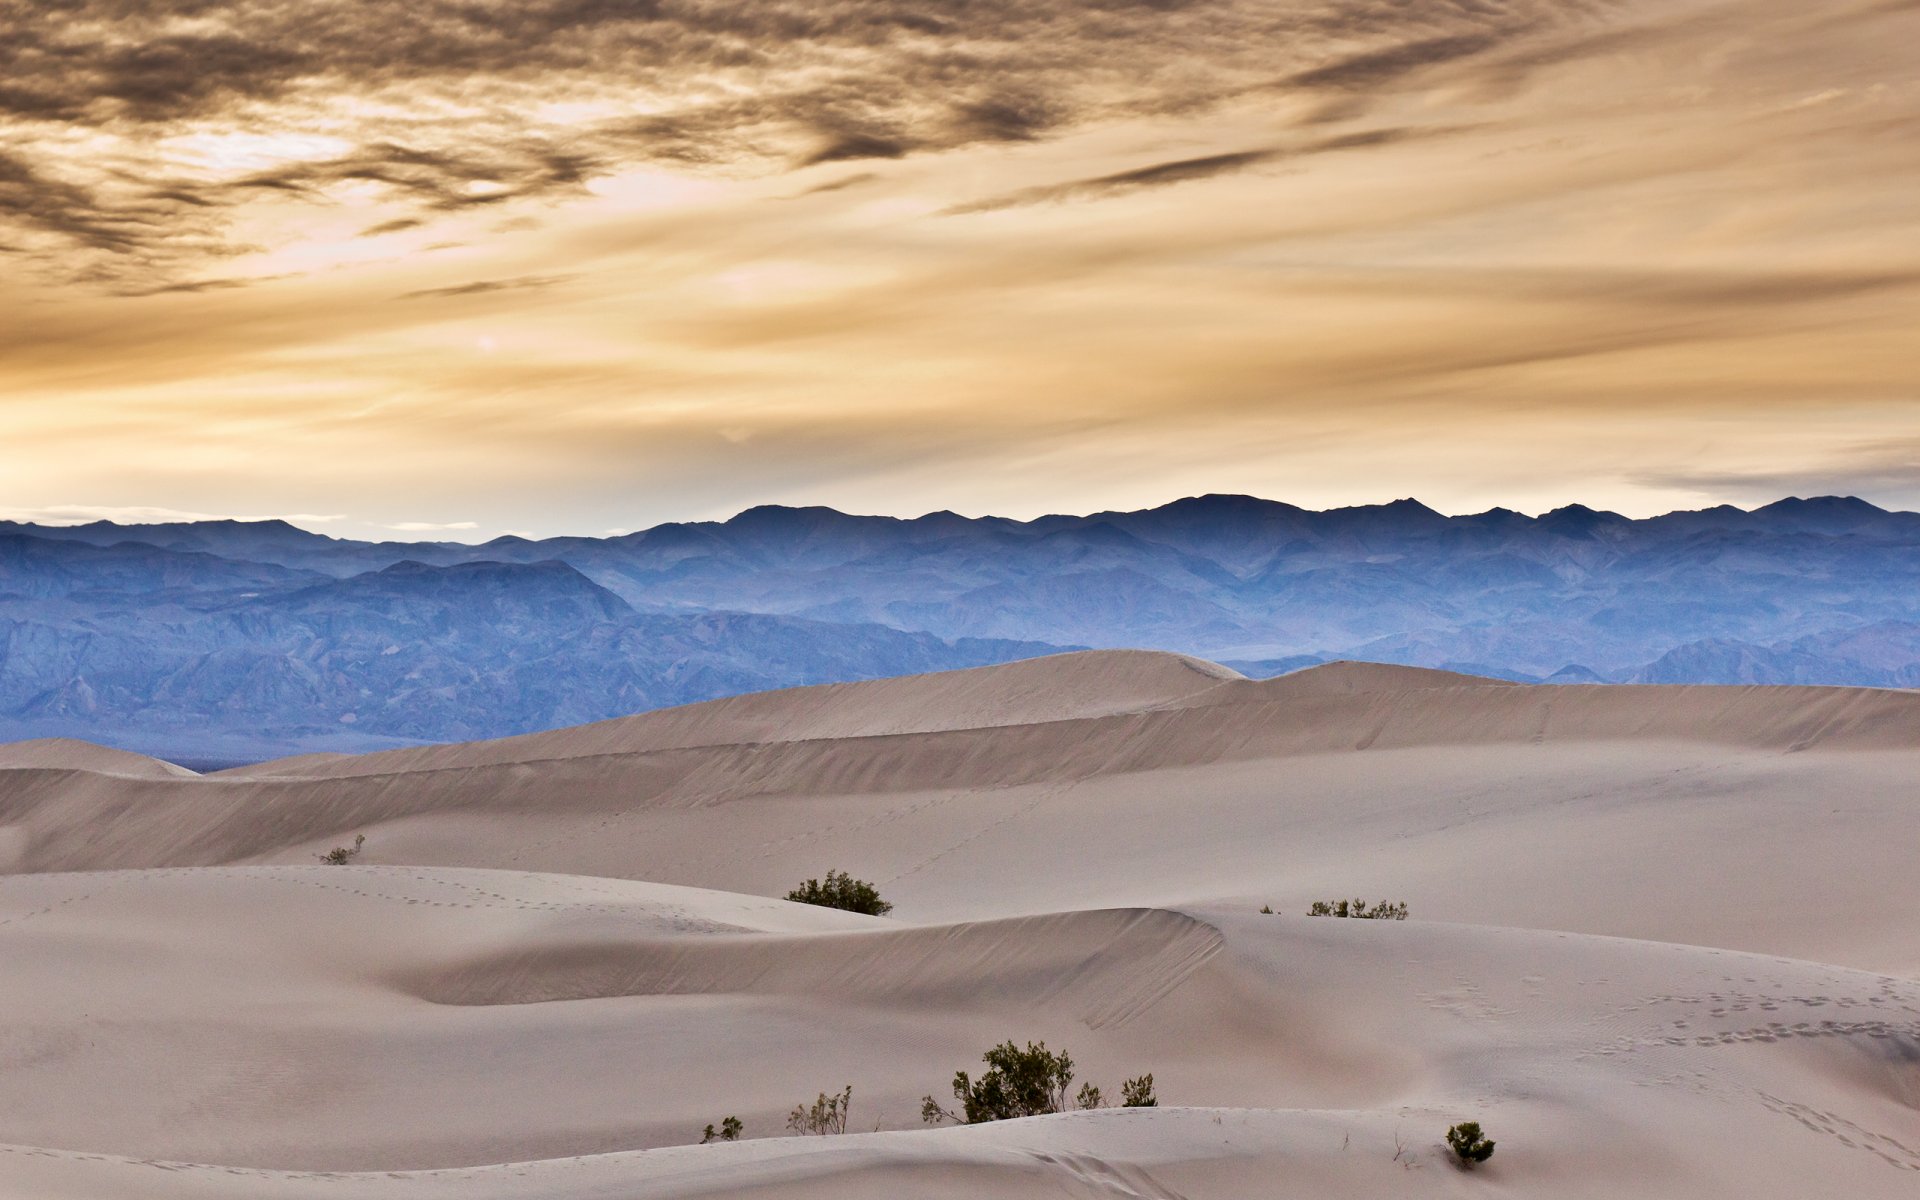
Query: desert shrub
point(1138, 1093)
point(1468, 1145)
point(1383, 911)
point(828, 1114)
point(1016, 1083)
point(841, 890)
point(1024, 1083)
point(729, 1132)
point(340, 856)
point(1266, 908)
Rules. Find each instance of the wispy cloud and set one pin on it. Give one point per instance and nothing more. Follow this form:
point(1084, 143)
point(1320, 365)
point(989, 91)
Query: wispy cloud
point(481, 287)
point(1887, 471)
point(1185, 170)
point(430, 526)
point(138, 514)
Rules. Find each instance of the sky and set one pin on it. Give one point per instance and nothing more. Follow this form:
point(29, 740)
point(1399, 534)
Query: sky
point(452, 268)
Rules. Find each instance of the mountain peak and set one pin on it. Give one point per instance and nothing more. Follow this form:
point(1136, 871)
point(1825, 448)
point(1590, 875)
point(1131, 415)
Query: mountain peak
point(777, 514)
point(1223, 502)
point(1825, 504)
point(1578, 517)
point(1823, 514)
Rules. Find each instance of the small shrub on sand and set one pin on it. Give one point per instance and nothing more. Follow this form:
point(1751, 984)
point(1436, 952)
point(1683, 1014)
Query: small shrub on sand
point(1025, 1083)
point(1138, 1093)
point(1468, 1145)
point(826, 1115)
point(841, 890)
point(340, 856)
point(1383, 911)
point(729, 1132)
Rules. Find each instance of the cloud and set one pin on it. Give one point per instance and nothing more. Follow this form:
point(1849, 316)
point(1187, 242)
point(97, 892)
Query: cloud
point(138, 514)
point(1157, 175)
point(1184, 170)
point(450, 105)
point(836, 185)
point(1460, 240)
point(1886, 472)
point(481, 287)
point(192, 286)
point(397, 225)
point(429, 526)
point(851, 145)
point(1374, 68)
point(34, 200)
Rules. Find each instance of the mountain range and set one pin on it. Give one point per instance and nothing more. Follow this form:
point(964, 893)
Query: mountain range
point(223, 641)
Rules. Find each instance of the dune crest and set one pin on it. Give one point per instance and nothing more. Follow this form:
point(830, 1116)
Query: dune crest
point(1059, 687)
point(72, 754)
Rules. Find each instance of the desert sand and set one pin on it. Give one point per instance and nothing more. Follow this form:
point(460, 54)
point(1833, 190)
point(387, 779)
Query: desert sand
point(1662, 944)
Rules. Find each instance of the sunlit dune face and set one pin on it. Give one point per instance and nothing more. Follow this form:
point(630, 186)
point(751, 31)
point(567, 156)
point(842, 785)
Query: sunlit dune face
point(598, 262)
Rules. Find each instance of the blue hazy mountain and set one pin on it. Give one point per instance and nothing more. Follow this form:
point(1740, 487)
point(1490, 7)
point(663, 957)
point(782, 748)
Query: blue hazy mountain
point(234, 639)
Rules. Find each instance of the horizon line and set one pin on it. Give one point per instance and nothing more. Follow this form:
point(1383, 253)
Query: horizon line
point(295, 521)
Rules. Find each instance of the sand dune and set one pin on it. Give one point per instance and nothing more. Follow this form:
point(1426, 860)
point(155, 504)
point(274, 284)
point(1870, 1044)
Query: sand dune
point(1577, 808)
point(367, 1019)
point(1031, 691)
point(70, 754)
point(1662, 945)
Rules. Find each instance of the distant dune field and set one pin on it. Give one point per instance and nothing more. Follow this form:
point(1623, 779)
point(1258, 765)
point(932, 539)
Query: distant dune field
point(1662, 944)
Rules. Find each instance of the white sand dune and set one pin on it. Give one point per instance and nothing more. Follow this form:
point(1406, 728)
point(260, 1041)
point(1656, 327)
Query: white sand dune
point(1663, 945)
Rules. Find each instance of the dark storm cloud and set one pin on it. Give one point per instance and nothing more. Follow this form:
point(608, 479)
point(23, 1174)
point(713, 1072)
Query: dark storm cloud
point(452, 91)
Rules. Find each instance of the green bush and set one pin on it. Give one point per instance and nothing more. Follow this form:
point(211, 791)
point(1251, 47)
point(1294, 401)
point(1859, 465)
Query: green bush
point(1383, 911)
point(826, 1115)
point(1138, 1093)
point(1017, 1083)
point(340, 856)
point(842, 891)
point(1025, 1083)
point(729, 1132)
point(1468, 1145)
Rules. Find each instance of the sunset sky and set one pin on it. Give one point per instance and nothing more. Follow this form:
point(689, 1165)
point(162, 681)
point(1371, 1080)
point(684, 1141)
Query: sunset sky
point(457, 267)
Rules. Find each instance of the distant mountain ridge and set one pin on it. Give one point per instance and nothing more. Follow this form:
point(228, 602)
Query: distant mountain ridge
point(240, 638)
